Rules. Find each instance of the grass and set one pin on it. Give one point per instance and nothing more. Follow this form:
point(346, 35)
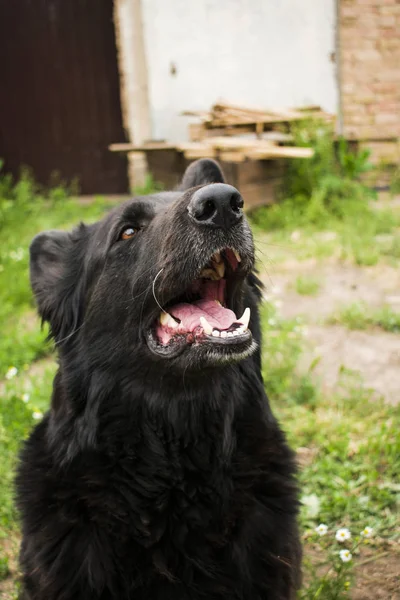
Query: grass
point(325, 209)
point(349, 447)
point(351, 437)
point(348, 443)
point(307, 286)
point(360, 316)
point(24, 212)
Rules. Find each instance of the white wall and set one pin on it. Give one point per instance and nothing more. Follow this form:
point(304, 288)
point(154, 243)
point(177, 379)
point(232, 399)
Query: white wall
point(263, 53)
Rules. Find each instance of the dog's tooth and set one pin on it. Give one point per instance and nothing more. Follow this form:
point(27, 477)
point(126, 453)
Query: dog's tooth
point(224, 334)
point(206, 326)
point(216, 333)
point(236, 332)
point(237, 255)
point(164, 318)
point(217, 257)
point(229, 334)
point(245, 318)
point(240, 330)
point(172, 323)
point(168, 320)
point(220, 268)
point(209, 274)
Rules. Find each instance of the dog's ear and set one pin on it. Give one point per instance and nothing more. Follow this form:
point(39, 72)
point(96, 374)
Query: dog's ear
point(201, 172)
point(56, 267)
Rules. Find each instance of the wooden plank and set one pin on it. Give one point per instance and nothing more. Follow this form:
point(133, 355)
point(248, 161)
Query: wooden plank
point(197, 132)
point(166, 166)
point(279, 151)
point(255, 171)
point(238, 143)
point(260, 194)
point(145, 147)
point(224, 114)
point(232, 156)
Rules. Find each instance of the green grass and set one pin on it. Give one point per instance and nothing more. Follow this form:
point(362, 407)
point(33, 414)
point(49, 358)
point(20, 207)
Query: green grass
point(352, 435)
point(325, 195)
point(23, 399)
point(358, 241)
point(351, 447)
point(24, 212)
point(349, 441)
point(307, 286)
point(360, 316)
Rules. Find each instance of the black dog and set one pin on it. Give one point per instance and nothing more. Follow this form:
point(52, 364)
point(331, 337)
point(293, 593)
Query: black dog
point(159, 472)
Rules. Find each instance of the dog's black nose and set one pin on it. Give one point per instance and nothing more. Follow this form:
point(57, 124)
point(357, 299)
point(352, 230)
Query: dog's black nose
point(216, 205)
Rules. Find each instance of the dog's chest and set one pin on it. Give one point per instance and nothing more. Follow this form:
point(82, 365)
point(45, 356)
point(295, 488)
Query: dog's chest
point(182, 492)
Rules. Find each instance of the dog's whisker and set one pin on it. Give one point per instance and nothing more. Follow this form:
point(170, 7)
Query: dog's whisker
point(154, 293)
point(137, 279)
point(58, 342)
point(258, 241)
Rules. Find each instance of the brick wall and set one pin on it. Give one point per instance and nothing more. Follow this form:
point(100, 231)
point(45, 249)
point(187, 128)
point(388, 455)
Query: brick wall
point(369, 34)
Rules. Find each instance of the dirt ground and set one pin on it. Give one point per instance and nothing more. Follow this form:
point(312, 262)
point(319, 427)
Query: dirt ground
point(375, 354)
point(377, 576)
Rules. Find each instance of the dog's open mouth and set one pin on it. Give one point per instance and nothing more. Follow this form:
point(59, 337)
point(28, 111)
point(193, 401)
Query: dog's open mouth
point(204, 313)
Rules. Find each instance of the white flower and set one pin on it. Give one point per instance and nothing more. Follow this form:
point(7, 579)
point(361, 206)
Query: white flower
point(17, 254)
point(37, 415)
point(12, 371)
point(322, 529)
point(345, 555)
point(272, 322)
point(367, 532)
point(312, 505)
point(25, 398)
point(342, 535)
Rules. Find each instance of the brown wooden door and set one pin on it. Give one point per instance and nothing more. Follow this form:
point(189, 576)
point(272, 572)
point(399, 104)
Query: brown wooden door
point(59, 92)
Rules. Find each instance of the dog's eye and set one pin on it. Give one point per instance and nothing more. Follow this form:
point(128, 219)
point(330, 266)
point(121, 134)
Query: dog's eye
point(128, 232)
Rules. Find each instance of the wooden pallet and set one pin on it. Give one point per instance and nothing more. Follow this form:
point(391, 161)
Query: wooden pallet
point(231, 119)
point(228, 149)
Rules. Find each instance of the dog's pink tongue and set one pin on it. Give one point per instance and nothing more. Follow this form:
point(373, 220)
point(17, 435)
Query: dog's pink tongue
point(189, 315)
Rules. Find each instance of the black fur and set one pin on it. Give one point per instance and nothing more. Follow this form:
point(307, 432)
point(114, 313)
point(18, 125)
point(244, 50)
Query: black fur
point(151, 478)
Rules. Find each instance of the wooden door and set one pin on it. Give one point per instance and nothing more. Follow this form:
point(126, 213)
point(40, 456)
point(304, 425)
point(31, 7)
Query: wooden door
point(59, 92)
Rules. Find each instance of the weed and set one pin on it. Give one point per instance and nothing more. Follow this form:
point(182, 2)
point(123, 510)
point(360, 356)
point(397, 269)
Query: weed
point(360, 316)
point(4, 568)
point(282, 348)
point(395, 182)
point(149, 186)
point(392, 249)
point(324, 188)
point(307, 286)
point(24, 212)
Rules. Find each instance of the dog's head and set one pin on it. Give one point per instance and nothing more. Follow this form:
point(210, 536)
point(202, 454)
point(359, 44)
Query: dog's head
point(162, 279)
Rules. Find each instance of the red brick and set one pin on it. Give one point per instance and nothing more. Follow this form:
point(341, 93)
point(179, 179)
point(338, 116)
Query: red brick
point(388, 21)
point(370, 67)
point(386, 118)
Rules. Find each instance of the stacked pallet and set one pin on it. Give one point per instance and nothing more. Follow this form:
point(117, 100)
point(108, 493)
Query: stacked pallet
point(235, 134)
point(229, 119)
point(250, 144)
point(239, 148)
